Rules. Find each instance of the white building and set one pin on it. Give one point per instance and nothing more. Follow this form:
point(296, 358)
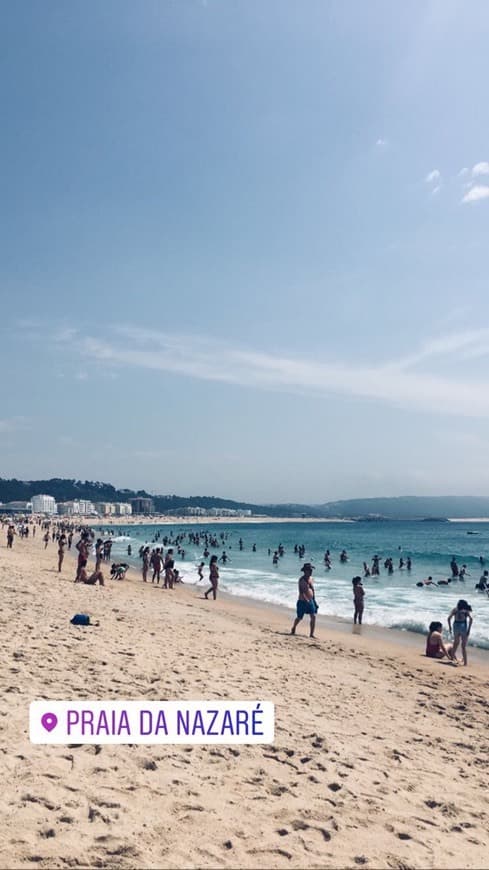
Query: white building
point(79, 507)
point(106, 508)
point(85, 507)
point(123, 509)
point(43, 504)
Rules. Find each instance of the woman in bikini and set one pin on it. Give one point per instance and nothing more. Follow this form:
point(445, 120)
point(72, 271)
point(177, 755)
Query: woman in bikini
point(462, 623)
point(435, 648)
point(213, 577)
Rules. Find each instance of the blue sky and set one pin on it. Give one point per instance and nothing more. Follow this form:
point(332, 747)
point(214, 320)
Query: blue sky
point(244, 246)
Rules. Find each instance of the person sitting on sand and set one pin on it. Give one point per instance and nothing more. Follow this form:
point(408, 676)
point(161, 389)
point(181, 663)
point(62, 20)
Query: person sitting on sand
point(213, 578)
point(435, 648)
point(306, 603)
point(90, 580)
point(358, 600)
point(462, 623)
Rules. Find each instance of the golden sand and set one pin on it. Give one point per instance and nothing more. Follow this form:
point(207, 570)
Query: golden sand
point(381, 756)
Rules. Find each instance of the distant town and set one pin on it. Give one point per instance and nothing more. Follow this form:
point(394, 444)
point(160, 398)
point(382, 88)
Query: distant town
point(77, 498)
point(47, 505)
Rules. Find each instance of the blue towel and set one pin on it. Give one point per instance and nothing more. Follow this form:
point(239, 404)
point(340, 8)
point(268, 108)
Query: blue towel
point(80, 619)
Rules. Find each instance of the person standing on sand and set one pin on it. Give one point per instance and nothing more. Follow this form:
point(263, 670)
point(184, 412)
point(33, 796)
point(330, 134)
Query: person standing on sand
point(168, 568)
point(61, 552)
point(306, 603)
point(157, 564)
point(83, 551)
point(213, 577)
point(99, 554)
point(358, 600)
point(146, 562)
point(462, 623)
point(46, 539)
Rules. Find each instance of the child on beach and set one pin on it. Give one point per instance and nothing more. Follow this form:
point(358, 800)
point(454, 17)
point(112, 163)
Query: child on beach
point(435, 648)
point(358, 600)
point(462, 623)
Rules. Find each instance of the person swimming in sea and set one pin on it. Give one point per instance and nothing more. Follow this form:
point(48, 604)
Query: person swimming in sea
point(483, 584)
point(428, 582)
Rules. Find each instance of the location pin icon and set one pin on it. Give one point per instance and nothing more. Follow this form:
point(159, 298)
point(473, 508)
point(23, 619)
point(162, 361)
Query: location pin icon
point(49, 721)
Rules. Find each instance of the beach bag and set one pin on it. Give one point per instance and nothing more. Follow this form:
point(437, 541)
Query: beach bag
point(80, 619)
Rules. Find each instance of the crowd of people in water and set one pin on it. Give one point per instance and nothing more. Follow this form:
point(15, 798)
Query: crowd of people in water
point(158, 567)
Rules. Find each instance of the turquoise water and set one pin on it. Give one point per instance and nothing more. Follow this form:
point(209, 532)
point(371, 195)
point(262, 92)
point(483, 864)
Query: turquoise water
point(390, 601)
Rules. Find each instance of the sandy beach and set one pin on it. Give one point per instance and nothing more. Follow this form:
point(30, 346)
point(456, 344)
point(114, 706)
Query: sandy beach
point(380, 758)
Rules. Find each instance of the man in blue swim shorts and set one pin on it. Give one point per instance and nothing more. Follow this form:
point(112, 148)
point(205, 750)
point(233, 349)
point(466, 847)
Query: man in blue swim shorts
point(306, 603)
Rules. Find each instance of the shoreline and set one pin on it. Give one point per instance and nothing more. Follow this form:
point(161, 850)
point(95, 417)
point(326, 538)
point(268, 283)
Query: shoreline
point(402, 636)
point(165, 520)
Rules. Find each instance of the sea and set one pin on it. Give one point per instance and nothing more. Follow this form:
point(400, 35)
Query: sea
point(392, 601)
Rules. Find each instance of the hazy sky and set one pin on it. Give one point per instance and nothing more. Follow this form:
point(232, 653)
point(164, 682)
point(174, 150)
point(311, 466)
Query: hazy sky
point(244, 246)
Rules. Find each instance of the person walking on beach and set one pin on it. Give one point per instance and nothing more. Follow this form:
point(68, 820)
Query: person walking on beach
point(213, 577)
point(462, 623)
point(306, 603)
point(10, 536)
point(358, 600)
point(200, 571)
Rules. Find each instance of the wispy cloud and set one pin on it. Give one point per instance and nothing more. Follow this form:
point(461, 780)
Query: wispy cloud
point(463, 172)
point(434, 181)
point(476, 193)
point(411, 382)
point(433, 177)
point(480, 168)
point(382, 143)
point(13, 424)
point(406, 382)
